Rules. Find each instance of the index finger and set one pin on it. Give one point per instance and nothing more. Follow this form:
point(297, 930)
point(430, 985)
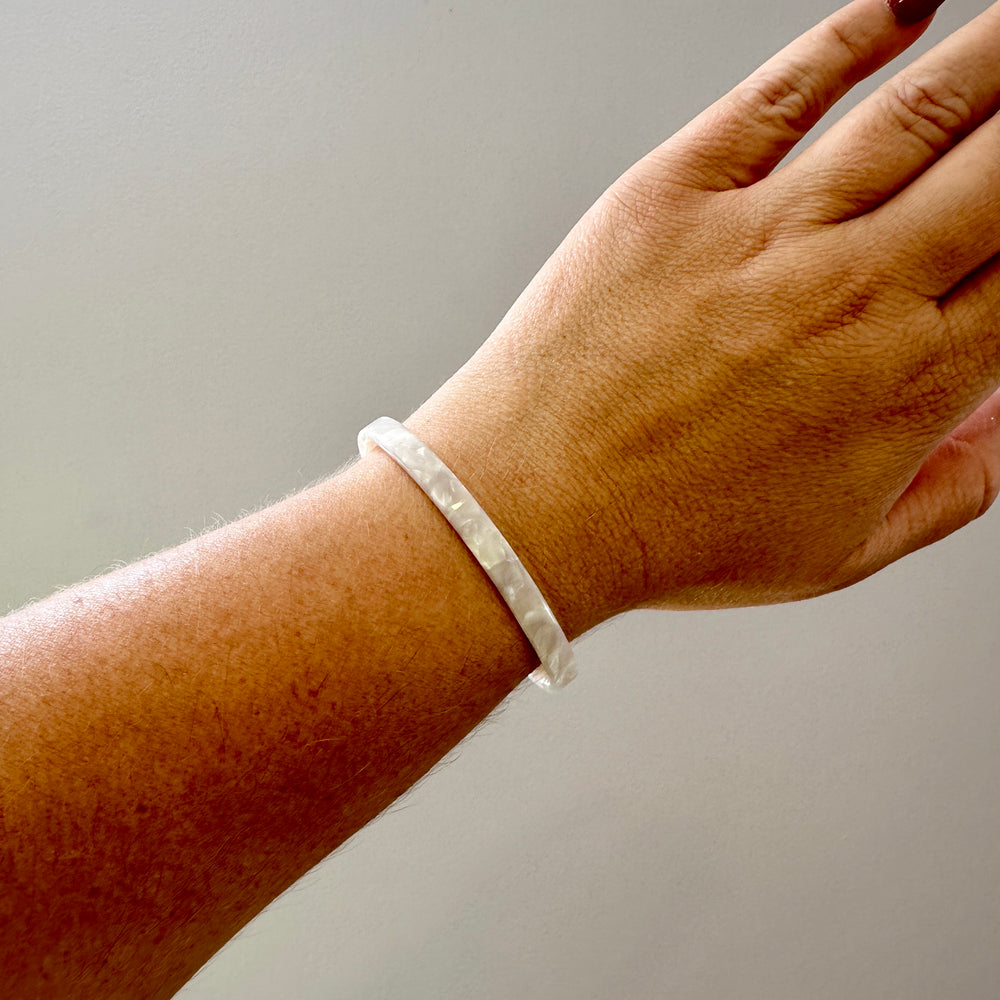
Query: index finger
point(897, 133)
point(743, 136)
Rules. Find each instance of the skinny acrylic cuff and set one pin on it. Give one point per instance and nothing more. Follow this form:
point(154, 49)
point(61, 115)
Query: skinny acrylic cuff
point(484, 541)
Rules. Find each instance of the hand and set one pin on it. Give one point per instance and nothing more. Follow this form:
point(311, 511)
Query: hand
point(732, 385)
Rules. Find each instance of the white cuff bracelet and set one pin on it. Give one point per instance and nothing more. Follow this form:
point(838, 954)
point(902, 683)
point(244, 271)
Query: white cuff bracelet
point(484, 541)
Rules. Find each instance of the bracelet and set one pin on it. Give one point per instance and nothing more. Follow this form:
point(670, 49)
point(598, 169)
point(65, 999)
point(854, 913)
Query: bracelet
point(484, 541)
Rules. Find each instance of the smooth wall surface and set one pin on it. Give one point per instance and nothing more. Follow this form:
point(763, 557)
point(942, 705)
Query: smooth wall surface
point(232, 234)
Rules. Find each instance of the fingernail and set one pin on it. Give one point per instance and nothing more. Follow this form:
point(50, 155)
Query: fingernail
point(913, 11)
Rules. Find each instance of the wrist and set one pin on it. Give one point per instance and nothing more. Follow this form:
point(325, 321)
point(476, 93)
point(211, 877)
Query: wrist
point(569, 535)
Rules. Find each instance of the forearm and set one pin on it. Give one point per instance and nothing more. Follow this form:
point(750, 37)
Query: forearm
point(720, 391)
point(186, 737)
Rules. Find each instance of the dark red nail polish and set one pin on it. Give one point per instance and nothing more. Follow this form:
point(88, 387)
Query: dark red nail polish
point(913, 11)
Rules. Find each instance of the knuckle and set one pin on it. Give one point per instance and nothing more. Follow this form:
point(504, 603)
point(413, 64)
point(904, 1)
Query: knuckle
point(991, 484)
point(794, 96)
point(987, 466)
point(855, 51)
point(934, 372)
point(935, 111)
point(977, 485)
point(632, 206)
point(788, 100)
point(644, 214)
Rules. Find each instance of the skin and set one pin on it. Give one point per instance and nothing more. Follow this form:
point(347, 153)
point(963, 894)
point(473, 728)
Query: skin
point(802, 358)
point(730, 385)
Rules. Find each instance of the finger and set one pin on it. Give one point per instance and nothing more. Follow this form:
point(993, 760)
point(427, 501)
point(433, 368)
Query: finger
point(971, 312)
point(958, 483)
point(946, 223)
point(745, 134)
point(899, 131)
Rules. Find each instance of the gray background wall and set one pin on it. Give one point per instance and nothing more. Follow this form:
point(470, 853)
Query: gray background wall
point(230, 235)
